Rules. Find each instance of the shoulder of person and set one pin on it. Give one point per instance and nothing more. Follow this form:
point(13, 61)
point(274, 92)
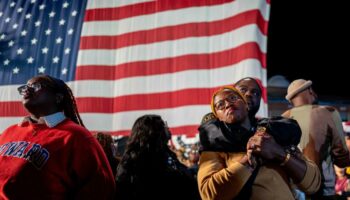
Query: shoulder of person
point(286, 113)
point(324, 108)
point(208, 117)
point(78, 131)
point(13, 129)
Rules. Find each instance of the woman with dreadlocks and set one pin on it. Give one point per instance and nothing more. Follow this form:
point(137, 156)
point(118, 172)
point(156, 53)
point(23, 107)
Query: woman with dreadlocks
point(50, 154)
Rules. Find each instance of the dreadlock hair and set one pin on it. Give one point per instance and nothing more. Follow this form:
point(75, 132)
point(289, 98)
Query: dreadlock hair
point(68, 104)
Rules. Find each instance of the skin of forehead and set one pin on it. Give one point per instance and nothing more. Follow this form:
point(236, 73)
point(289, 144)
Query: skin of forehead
point(247, 81)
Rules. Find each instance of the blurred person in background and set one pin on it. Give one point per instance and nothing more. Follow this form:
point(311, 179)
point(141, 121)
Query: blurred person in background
point(107, 143)
point(322, 134)
point(342, 186)
point(149, 169)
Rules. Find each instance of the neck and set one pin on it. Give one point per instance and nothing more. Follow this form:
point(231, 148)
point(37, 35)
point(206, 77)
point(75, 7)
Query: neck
point(36, 114)
point(300, 102)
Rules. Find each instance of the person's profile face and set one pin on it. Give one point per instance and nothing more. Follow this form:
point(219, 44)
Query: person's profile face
point(37, 94)
point(347, 141)
point(313, 96)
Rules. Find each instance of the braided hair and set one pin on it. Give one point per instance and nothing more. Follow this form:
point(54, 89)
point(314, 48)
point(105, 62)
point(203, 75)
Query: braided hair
point(68, 104)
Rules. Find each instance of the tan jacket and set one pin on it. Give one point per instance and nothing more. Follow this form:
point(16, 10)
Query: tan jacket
point(221, 177)
point(322, 140)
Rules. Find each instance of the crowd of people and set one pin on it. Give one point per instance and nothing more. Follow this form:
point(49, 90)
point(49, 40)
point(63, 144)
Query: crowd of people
point(299, 155)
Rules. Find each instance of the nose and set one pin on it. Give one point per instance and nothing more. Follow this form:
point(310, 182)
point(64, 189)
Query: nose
point(228, 103)
point(248, 93)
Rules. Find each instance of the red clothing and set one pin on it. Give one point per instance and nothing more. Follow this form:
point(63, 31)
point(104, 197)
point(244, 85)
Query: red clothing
point(341, 185)
point(62, 162)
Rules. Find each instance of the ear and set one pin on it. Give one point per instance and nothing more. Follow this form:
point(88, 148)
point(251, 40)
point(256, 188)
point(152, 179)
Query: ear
point(59, 98)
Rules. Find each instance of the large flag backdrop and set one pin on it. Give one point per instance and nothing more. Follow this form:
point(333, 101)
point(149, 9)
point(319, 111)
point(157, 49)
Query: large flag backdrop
point(126, 58)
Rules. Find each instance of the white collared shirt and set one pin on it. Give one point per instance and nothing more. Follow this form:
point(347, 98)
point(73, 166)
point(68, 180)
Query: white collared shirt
point(50, 120)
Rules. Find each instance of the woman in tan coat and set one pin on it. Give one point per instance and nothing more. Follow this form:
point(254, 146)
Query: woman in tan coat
point(227, 167)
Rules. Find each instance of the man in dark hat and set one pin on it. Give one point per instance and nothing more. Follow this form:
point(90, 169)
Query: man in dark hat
point(322, 134)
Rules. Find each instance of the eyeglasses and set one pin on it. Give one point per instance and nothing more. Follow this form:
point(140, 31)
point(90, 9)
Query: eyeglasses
point(220, 105)
point(35, 87)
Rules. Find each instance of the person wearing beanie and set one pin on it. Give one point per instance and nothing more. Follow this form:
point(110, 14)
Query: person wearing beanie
point(228, 144)
point(322, 134)
point(251, 89)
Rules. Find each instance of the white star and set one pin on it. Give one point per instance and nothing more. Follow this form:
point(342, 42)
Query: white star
point(45, 50)
point(64, 71)
point(42, 6)
point(52, 14)
point(58, 40)
point(32, 1)
point(15, 70)
point(66, 4)
point(34, 41)
point(55, 59)
point(28, 16)
point(66, 51)
point(14, 26)
point(41, 69)
point(2, 36)
point(7, 20)
point(62, 22)
point(19, 51)
point(19, 10)
point(48, 32)
point(11, 43)
point(37, 23)
point(1, 13)
point(24, 33)
point(12, 4)
point(70, 31)
point(74, 13)
point(30, 60)
point(6, 62)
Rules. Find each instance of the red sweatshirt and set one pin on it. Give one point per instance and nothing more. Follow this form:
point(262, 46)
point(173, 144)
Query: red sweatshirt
point(62, 162)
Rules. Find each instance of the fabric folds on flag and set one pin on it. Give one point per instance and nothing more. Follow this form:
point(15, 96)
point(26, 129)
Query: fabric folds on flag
point(137, 57)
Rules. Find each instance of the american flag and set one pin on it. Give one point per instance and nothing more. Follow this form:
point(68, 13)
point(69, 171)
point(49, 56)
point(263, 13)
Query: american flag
point(126, 58)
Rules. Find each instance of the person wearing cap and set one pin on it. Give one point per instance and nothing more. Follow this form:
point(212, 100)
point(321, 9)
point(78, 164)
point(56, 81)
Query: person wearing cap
point(322, 134)
point(226, 167)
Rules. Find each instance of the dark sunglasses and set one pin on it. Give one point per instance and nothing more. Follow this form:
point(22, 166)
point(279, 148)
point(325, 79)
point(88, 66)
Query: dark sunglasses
point(35, 87)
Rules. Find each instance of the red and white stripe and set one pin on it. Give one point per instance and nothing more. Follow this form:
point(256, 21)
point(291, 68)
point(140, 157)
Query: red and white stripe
point(161, 57)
